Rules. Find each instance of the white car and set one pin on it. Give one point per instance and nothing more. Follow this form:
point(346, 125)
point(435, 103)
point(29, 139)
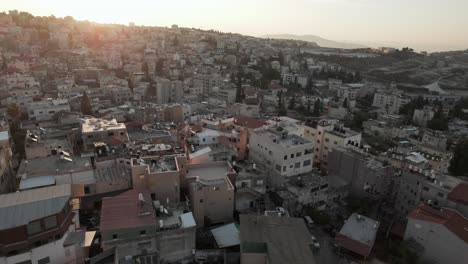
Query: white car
point(315, 242)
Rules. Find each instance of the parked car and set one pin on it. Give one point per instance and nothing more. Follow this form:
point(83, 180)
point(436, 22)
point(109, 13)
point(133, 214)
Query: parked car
point(309, 221)
point(315, 242)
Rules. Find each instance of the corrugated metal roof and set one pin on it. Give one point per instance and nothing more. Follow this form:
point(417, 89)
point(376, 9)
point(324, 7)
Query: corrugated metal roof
point(226, 235)
point(20, 208)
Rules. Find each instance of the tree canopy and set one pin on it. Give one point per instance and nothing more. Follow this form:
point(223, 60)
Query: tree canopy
point(458, 163)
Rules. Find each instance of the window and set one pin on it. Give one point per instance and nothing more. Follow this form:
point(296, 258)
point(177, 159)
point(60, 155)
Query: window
point(114, 236)
point(306, 163)
point(327, 139)
point(278, 167)
point(285, 157)
point(284, 168)
point(440, 194)
point(204, 140)
point(426, 189)
point(50, 222)
point(292, 156)
point(44, 260)
point(142, 232)
point(201, 200)
point(121, 133)
point(34, 227)
point(86, 190)
point(298, 154)
point(335, 142)
point(110, 134)
point(297, 165)
point(320, 133)
point(24, 262)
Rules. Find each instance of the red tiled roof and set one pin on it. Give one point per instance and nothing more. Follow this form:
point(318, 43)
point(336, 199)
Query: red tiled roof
point(122, 211)
point(352, 245)
point(451, 219)
point(459, 194)
point(249, 122)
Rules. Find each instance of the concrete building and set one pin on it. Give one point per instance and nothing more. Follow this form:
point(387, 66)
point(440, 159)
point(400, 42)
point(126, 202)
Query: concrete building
point(161, 177)
point(389, 103)
point(142, 230)
point(169, 91)
point(358, 234)
point(101, 130)
point(417, 186)
point(45, 110)
point(328, 134)
point(211, 192)
point(34, 225)
point(7, 177)
point(121, 95)
point(422, 116)
point(361, 174)
point(274, 240)
point(287, 154)
point(441, 232)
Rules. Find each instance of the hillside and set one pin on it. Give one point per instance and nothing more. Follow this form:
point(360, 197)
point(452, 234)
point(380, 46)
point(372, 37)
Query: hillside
point(319, 40)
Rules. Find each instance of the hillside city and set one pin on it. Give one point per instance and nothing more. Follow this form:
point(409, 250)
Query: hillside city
point(134, 144)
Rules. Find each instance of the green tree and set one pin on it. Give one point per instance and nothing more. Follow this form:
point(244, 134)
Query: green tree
point(439, 121)
point(458, 163)
point(281, 109)
point(292, 103)
point(281, 57)
point(317, 107)
point(345, 103)
point(158, 70)
point(86, 108)
point(145, 68)
point(239, 91)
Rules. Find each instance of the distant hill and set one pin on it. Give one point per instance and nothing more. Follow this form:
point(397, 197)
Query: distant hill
point(326, 43)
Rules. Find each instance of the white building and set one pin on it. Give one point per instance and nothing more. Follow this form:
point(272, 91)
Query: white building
point(286, 154)
point(389, 103)
point(45, 110)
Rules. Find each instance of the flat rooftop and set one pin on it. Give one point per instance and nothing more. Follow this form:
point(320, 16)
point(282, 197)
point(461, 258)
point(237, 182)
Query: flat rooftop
point(360, 228)
point(209, 171)
point(52, 165)
point(90, 125)
point(282, 239)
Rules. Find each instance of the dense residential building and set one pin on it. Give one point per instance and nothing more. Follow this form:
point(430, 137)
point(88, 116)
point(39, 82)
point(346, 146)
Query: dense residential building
point(101, 130)
point(287, 154)
point(441, 232)
point(273, 239)
point(198, 146)
point(34, 225)
point(328, 134)
point(211, 192)
point(389, 103)
point(358, 235)
point(359, 174)
point(142, 230)
point(169, 91)
point(46, 110)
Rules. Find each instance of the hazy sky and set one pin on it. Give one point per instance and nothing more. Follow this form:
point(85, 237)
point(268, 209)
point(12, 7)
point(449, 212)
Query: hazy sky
point(423, 24)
